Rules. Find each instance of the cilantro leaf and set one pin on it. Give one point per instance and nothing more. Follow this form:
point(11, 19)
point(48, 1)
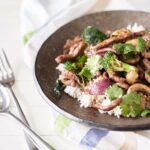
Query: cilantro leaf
point(114, 92)
point(131, 104)
point(128, 51)
point(135, 110)
point(145, 112)
point(125, 110)
point(141, 45)
point(123, 48)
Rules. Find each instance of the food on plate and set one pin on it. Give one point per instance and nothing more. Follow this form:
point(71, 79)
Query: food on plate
point(108, 71)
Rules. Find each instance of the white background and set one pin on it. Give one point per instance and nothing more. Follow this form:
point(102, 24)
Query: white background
point(36, 110)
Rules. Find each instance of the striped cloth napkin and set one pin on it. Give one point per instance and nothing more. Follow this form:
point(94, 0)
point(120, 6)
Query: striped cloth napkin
point(39, 19)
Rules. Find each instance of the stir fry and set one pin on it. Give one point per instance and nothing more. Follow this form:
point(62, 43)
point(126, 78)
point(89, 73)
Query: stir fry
point(108, 71)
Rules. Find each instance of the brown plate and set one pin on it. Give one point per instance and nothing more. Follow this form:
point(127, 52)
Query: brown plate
point(46, 74)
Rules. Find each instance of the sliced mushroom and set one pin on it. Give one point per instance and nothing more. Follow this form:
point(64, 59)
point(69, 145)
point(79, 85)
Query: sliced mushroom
point(123, 85)
point(113, 104)
point(138, 87)
point(132, 41)
point(121, 34)
point(132, 77)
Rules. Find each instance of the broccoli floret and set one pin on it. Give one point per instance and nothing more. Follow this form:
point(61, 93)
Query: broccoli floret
point(111, 63)
point(92, 35)
point(92, 65)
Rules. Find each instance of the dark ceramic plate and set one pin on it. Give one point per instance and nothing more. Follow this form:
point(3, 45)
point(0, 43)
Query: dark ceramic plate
point(46, 74)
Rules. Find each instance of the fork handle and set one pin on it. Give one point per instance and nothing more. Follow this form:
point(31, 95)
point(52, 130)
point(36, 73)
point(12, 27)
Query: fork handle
point(31, 143)
point(21, 113)
point(42, 145)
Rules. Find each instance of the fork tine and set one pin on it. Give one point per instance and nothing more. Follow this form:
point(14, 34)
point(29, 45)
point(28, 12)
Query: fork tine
point(6, 58)
point(2, 69)
point(5, 63)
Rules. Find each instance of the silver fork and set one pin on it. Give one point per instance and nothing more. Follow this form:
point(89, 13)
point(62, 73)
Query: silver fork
point(7, 79)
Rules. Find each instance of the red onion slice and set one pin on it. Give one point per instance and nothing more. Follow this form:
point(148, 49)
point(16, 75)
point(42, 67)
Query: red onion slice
point(98, 87)
point(104, 50)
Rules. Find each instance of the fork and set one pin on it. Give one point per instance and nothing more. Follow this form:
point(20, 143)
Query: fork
point(7, 79)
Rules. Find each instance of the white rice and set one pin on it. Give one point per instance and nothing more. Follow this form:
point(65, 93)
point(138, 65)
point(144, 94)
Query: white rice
point(60, 67)
point(85, 99)
point(135, 27)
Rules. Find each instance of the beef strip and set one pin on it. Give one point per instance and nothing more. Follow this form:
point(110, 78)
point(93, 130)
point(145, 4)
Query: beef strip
point(73, 52)
point(123, 35)
point(69, 43)
point(69, 78)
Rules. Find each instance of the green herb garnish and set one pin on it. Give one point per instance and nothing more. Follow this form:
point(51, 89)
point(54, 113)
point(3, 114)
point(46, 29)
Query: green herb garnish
point(141, 45)
point(128, 51)
point(145, 113)
point(114, 92)
point(130, 105)
point(123, 48)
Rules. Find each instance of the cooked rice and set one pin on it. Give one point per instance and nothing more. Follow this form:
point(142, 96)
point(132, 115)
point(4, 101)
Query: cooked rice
point(75, 92)
point(60, 67)
point(135, 27)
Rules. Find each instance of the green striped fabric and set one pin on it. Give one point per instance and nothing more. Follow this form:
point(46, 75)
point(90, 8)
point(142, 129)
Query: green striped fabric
point(61, 123)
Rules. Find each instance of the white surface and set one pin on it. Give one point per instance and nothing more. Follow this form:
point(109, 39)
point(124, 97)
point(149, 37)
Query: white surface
point(36, 110)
